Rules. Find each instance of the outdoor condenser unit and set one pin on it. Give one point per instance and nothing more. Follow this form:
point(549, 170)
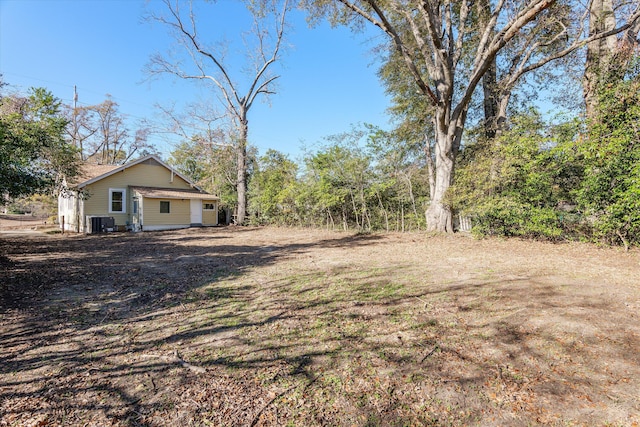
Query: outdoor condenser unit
point(100, 224)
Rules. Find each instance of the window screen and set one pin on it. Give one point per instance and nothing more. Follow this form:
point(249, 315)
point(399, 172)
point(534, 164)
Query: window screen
point(117, 201)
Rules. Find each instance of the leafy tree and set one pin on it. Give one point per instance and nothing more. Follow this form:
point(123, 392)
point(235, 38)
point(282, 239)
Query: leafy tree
point(273, 188)
point(191, 159)
point(400, 184)
point(512, 185)
point(327, 186)
point(210, 166)
point(610, 193)
point(447, 52)
point(337, 181)
point(34, 155)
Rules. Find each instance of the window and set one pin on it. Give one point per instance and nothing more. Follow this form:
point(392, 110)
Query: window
point(208, 206)
point(164, 207)
point(117, 200)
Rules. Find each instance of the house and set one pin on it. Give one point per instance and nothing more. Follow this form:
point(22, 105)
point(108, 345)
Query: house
point(145, 194)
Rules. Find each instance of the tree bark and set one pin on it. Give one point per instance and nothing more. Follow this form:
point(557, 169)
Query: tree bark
point(490, 101)
point(489, 80)
point(599, 52)
point(439, 215)
point(241, 183)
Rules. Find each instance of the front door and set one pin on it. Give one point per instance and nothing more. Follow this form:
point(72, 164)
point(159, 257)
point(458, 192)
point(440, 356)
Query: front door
point(196, 212)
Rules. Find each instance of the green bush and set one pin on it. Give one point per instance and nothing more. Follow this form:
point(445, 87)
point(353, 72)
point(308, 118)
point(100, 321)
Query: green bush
point(512, 185)
point(610, 192)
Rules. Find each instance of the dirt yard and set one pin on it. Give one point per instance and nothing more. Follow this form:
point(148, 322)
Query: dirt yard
point(19, 222)
point(281, 327)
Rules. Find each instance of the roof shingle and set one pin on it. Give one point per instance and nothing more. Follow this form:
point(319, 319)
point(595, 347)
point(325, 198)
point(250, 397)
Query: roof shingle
point(90, 171)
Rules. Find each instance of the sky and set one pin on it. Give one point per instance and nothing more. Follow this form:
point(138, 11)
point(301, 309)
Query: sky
point(328, 76)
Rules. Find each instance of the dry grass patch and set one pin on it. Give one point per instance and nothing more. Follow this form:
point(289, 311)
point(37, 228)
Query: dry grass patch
point(296, 327)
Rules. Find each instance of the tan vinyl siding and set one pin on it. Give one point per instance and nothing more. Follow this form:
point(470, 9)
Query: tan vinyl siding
point(210, 217)
point(144, 174)
point(179, 213)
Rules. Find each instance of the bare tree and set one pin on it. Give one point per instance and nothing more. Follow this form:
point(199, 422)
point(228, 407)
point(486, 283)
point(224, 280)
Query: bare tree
point(200, 123)
point(81, 127)
point(448, 52)
point(208, 63)
point(103, 135)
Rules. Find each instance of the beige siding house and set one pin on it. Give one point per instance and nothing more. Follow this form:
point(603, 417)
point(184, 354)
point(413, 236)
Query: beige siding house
point(145, 194)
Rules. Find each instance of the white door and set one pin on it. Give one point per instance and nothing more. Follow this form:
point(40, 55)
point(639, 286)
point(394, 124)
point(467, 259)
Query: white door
point(196, 211)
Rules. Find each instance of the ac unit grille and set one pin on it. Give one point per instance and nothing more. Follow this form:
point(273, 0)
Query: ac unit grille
point(100, 224)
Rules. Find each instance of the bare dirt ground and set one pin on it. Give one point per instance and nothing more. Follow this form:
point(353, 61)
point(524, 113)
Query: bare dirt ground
point(277, 327)
point(20, 222)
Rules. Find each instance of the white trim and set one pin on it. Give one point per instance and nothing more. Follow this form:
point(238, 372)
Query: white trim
point(124, 200)
point(165, 227)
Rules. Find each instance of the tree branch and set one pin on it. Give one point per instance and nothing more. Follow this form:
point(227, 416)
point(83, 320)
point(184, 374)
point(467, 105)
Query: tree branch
point(386, 26)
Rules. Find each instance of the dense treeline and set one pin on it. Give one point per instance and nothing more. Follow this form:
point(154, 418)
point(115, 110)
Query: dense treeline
point(557, 179)
point(469, 144)
point(364, 179)
point(570, 180)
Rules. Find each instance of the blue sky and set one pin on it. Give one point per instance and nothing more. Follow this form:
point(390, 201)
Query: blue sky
point(328, 76)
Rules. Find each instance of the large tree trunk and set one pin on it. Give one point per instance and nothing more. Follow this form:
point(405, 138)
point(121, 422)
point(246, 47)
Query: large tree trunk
point(448, 133)
point(241, 183)
point(501, 113)
point(490, 79)
point(599, 52)
point(490, 102)
point(439, 216)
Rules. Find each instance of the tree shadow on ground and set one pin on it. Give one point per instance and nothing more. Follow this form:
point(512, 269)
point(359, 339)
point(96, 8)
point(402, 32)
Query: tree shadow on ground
point(58, 291)
point(188, 327)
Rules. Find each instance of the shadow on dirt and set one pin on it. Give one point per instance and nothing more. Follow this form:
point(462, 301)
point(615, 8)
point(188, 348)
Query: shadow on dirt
point(180, 328)
point(70, 304)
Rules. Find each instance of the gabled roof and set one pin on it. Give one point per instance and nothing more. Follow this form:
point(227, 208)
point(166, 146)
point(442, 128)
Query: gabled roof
point(90, 173)
point(172, 193)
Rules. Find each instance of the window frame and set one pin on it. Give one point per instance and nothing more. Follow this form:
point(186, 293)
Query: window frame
point(168, 204)
point(204, 206)
point(124, 200)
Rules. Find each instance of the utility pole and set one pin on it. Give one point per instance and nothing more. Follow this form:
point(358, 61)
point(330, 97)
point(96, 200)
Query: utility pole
point(76, 140)
point(75, 116)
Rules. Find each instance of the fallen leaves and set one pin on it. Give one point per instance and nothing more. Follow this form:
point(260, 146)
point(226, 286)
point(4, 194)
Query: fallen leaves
point(368, 333)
